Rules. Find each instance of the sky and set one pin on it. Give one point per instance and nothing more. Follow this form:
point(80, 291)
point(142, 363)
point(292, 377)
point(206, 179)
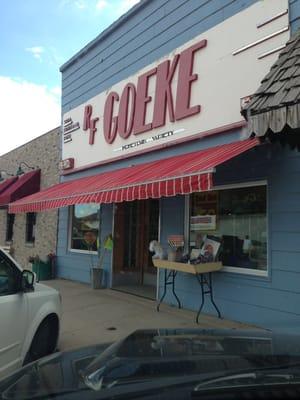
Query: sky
point(36, 38)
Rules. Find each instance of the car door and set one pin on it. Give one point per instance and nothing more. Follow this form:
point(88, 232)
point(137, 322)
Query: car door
point(13, 316)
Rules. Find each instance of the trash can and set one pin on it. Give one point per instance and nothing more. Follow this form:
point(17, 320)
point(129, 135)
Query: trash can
point(96, 277)
point(42, 269)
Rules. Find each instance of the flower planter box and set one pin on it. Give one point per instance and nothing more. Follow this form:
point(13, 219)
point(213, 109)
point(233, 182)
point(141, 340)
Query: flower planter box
point(43, 270)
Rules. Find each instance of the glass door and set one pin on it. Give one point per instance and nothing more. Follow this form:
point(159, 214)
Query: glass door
point(135, 225)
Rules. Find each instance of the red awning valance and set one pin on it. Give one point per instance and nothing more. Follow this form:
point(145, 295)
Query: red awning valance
point(7, 183)
point(20, 187)
point(181, 174)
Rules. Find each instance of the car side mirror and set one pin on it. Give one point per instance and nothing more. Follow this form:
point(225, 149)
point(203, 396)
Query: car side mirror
point(28, 279)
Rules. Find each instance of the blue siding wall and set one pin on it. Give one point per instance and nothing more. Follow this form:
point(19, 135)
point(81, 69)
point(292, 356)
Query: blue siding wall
point(155, 29)
point(77, 266)
point(294, 14)
point(271, 301)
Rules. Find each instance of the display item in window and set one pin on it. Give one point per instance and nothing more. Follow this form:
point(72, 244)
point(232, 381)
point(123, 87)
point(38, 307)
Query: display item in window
point(199, 241)
point(247, 245)
point(208, 253)
point(89, 241)
point(156, 248)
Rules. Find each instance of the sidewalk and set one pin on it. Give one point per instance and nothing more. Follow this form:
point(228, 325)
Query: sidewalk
point(104, 315)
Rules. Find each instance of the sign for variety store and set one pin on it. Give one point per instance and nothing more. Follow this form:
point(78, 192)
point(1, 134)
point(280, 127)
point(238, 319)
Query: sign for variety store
point(193, 91)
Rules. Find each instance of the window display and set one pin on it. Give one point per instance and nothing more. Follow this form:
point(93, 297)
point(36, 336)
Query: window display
point(237, 219)
point(85, 227)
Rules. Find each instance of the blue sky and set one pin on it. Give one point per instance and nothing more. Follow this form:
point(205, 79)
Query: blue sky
point(36, 38)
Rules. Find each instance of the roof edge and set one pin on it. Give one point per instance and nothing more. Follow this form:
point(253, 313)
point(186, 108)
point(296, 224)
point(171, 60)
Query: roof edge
point(54, 130)
point(123, 18)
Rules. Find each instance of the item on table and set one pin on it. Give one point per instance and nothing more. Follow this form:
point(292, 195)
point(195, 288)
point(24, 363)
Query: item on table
point(156, 248)
point(176, 241)
point(185, 258)
point(195, 253)
point(208, 252)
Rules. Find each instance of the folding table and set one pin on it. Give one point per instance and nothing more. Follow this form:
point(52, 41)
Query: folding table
point(203, 273)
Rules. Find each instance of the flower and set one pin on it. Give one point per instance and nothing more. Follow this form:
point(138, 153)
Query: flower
point(51, 255)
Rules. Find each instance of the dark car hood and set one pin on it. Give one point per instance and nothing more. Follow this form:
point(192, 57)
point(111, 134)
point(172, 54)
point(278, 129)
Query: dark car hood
point(150, 354)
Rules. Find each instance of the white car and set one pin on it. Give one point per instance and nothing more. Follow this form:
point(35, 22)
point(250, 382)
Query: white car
point(29, 316)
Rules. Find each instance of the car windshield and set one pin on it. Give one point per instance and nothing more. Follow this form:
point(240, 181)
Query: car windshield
point(149, 199)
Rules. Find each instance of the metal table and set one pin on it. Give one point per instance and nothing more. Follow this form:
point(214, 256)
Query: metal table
point(203, 273)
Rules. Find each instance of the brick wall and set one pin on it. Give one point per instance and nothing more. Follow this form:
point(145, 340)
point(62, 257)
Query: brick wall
point(43, 152)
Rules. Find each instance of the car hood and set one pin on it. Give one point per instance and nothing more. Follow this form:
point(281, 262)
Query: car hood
point(149, 355)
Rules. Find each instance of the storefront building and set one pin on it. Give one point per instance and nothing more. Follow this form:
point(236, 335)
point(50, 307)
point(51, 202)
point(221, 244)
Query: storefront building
point(154, 145)
point(24, 171)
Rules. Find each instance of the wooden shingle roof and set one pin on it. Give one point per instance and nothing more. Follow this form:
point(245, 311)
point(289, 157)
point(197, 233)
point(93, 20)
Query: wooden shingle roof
point(275, 106)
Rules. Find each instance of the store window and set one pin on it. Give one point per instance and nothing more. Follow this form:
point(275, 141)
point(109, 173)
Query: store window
point(10, 220)
point(30, 227)
point(85, 223)
point(237, 220)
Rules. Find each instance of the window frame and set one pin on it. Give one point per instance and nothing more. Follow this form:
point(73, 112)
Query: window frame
point(70, 224)
point(229, 269)
point(16, 274)
point(30, 242)
point(12, 228)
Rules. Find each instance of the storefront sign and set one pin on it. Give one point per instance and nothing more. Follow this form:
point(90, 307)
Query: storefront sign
point(132, 103)
point(192, 91)
point(155, 138)
point(68, 127)
point(203, 222)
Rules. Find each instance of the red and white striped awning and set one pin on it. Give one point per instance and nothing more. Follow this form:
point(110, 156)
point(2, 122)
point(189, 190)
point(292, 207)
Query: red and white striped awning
point(21, 186)
point(7, 183)
point(171, 176)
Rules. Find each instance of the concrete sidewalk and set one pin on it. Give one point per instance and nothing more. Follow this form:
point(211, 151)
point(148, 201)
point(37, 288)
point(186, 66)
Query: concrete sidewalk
point(104, 315)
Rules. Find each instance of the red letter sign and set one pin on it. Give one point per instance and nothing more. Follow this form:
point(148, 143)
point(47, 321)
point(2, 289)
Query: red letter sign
point(126, 116)
point(185, 80)
point(142, 99)
point(89, 123)
point(108, 119)
point(163, 93)
point(87, 117)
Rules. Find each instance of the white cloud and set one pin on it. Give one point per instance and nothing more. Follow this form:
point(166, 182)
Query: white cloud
point(36, 51)
point(101, 4)
point(28, 110)
point(56, 91)
point(125, 5)
point(81, 4)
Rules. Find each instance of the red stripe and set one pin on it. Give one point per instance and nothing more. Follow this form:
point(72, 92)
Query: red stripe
point(174, 175)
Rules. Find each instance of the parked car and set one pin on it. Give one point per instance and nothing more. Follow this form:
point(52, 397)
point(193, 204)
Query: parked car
point(167, 364)
point(29, 316)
